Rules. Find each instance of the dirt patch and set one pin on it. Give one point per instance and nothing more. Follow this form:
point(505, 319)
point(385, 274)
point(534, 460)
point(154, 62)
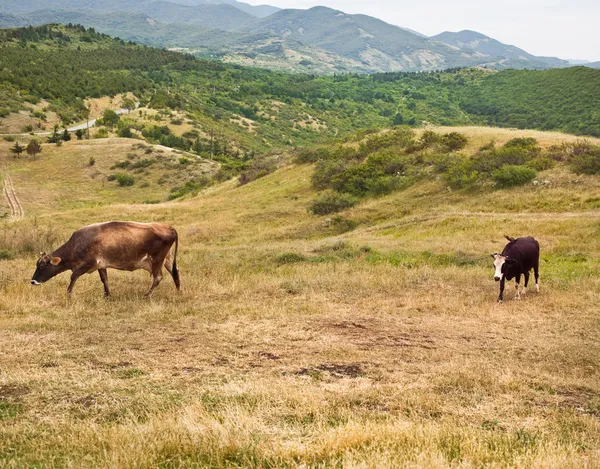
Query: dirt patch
point(86, 401)
point(12, 391)
point(335, 370)
point(268, 355)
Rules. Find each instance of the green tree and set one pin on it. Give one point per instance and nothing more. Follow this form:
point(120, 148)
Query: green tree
point(54, 137)
point(17, 149)
point(398, 119)
point(79, 133)
point(66, 136)
point(34, 148)
point(110, 118)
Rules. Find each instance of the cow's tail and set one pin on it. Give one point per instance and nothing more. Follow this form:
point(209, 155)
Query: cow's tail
point(510, 238)
point(175, 272)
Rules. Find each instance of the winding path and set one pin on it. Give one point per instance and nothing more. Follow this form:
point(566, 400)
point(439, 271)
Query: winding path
point(16, 209)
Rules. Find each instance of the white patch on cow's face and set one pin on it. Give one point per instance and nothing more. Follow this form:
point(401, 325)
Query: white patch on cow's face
point(498, 263)
point(35, 282)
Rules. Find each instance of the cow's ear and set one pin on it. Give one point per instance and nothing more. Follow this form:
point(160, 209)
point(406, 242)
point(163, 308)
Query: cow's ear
point(511, 261)
point(55, 260)
point(494, 255)
point(42, 254)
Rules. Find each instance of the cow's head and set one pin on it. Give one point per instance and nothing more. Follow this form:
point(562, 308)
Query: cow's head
point(501, 263)
point(46, 268)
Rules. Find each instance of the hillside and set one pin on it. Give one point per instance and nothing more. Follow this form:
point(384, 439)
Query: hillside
point(507, 56)
point(318, 40)
point(232, 114)
point(368, 338)
point(538, 99)
point(377, 44)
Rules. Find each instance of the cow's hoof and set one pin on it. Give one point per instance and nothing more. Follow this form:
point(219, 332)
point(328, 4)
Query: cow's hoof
point(499, 302)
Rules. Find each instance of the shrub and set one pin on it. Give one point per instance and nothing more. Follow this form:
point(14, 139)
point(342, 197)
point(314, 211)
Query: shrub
point(307, 155)
point(461, 174)
point(399, 137)
point(289, 258)
point(125, 132)
point(190, 187)
point(541, 163)
point(124, 180)
point(587, 161)
point(102, 132)
point(258, 168)
point(454, 141)
point(330, 202)
point(325, 171)
point(92, 161)
point(111, 177)
point(184, 161)
point(511, 175)
point(527, 144)
point(429, 138)
point(487, 162)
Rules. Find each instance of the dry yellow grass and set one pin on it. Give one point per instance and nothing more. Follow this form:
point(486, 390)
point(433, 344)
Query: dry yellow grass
point(61, 178)
point(379, 347)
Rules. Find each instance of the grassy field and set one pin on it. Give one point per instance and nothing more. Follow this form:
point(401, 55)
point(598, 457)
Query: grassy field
point(372, 339)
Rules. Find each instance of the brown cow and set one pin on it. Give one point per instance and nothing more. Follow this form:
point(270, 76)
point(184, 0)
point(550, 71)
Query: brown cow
point(118, 245)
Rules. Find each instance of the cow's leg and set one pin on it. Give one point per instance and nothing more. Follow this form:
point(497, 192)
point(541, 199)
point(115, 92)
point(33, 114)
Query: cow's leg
point(537, 277)
point(157, 277)
point(174, 273)
point(526, 275)
point(78, 272)
point(501, 296)
point(104, 278)
point(517, 281)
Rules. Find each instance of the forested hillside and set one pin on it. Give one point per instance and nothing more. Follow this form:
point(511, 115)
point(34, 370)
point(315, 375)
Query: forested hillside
point(254, 110)
point(567, 100)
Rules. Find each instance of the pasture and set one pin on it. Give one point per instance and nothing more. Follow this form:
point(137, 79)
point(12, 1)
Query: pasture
point(371, 339)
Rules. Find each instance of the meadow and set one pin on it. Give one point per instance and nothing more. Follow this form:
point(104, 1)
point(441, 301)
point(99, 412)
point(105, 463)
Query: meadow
point(369, 338)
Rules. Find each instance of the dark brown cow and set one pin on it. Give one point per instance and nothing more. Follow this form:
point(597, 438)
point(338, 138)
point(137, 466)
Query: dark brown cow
point(113, 245)
point(518, 257)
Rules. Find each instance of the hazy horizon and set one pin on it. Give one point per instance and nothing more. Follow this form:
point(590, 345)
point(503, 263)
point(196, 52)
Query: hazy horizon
point(562, 29)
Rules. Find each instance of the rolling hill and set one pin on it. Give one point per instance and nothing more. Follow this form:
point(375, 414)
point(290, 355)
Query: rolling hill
point(318, 40)
point(506, 56)
point(371, 338)
point(373, 42)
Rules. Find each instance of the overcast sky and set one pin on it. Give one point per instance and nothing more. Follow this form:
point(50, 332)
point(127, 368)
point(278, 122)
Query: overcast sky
point(561, 28)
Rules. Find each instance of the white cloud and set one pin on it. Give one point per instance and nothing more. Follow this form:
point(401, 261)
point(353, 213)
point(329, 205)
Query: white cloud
point(562, 28)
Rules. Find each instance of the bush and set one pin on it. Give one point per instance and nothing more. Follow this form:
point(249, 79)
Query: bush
point(487, 162)
point(124, 180)
point(92, 161)
point(331, 202)
point(511, 175)
point(307, 155)
point(289, 258)
point(102, 132)
point(527, 144)
point(125, 132)
point(587, 161)
point(258, 168)
point(541, 163)
point(454, 141)
point(190, 187)
point(461, 175)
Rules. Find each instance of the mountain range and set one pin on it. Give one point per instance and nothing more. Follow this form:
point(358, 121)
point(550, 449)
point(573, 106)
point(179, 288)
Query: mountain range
point(318, 40)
